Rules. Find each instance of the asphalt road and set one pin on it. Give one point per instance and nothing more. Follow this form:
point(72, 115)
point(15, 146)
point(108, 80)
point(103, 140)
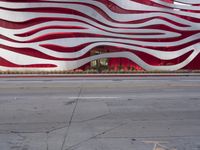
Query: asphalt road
point(136, 113)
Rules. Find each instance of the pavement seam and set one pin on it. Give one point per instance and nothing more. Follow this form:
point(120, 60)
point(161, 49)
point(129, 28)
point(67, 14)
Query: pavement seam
point(71, 118)
point(47, 138)
point(95, 136)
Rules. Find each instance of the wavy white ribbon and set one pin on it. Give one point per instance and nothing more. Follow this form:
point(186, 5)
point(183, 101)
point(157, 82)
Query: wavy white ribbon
point(116, 31)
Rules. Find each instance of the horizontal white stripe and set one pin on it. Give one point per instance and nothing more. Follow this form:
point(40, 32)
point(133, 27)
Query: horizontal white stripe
point(176, 6)
point(94, 97)
point(91, 30)
point(96, 25)
point(164, 55)
point(19, 17)
point(72, 42)
point(188, 1)
point(69, 65)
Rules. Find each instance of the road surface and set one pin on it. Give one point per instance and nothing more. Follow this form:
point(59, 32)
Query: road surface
point(136, 113)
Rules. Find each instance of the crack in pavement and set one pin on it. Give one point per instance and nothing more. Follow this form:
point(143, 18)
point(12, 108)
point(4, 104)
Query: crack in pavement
point(95, 118)
point(71, 118)
point(47, 138)
point(73, 147)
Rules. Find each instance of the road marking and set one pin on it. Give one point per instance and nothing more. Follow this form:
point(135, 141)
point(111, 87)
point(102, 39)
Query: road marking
point(159, 145)
point(95, 97)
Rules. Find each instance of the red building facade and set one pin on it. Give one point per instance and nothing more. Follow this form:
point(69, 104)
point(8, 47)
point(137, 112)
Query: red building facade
point(100, 34)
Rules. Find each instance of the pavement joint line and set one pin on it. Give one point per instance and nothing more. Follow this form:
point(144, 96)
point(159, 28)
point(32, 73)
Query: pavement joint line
point(152, 137)
point(34, 132)
point(47, 143)
point(71, 119)
point(64, 122)
point(82, 121)
point(95, 136)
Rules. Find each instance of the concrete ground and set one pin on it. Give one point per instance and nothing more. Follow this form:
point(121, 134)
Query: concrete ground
point(110, 113)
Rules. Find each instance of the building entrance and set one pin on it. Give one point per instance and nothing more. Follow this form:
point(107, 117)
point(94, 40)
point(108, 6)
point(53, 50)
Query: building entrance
point(100, 64)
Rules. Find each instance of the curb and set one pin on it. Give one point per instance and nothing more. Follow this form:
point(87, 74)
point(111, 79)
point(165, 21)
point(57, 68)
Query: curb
point(97, 75)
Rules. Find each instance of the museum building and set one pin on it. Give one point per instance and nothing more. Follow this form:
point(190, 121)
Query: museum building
point(50, 35)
